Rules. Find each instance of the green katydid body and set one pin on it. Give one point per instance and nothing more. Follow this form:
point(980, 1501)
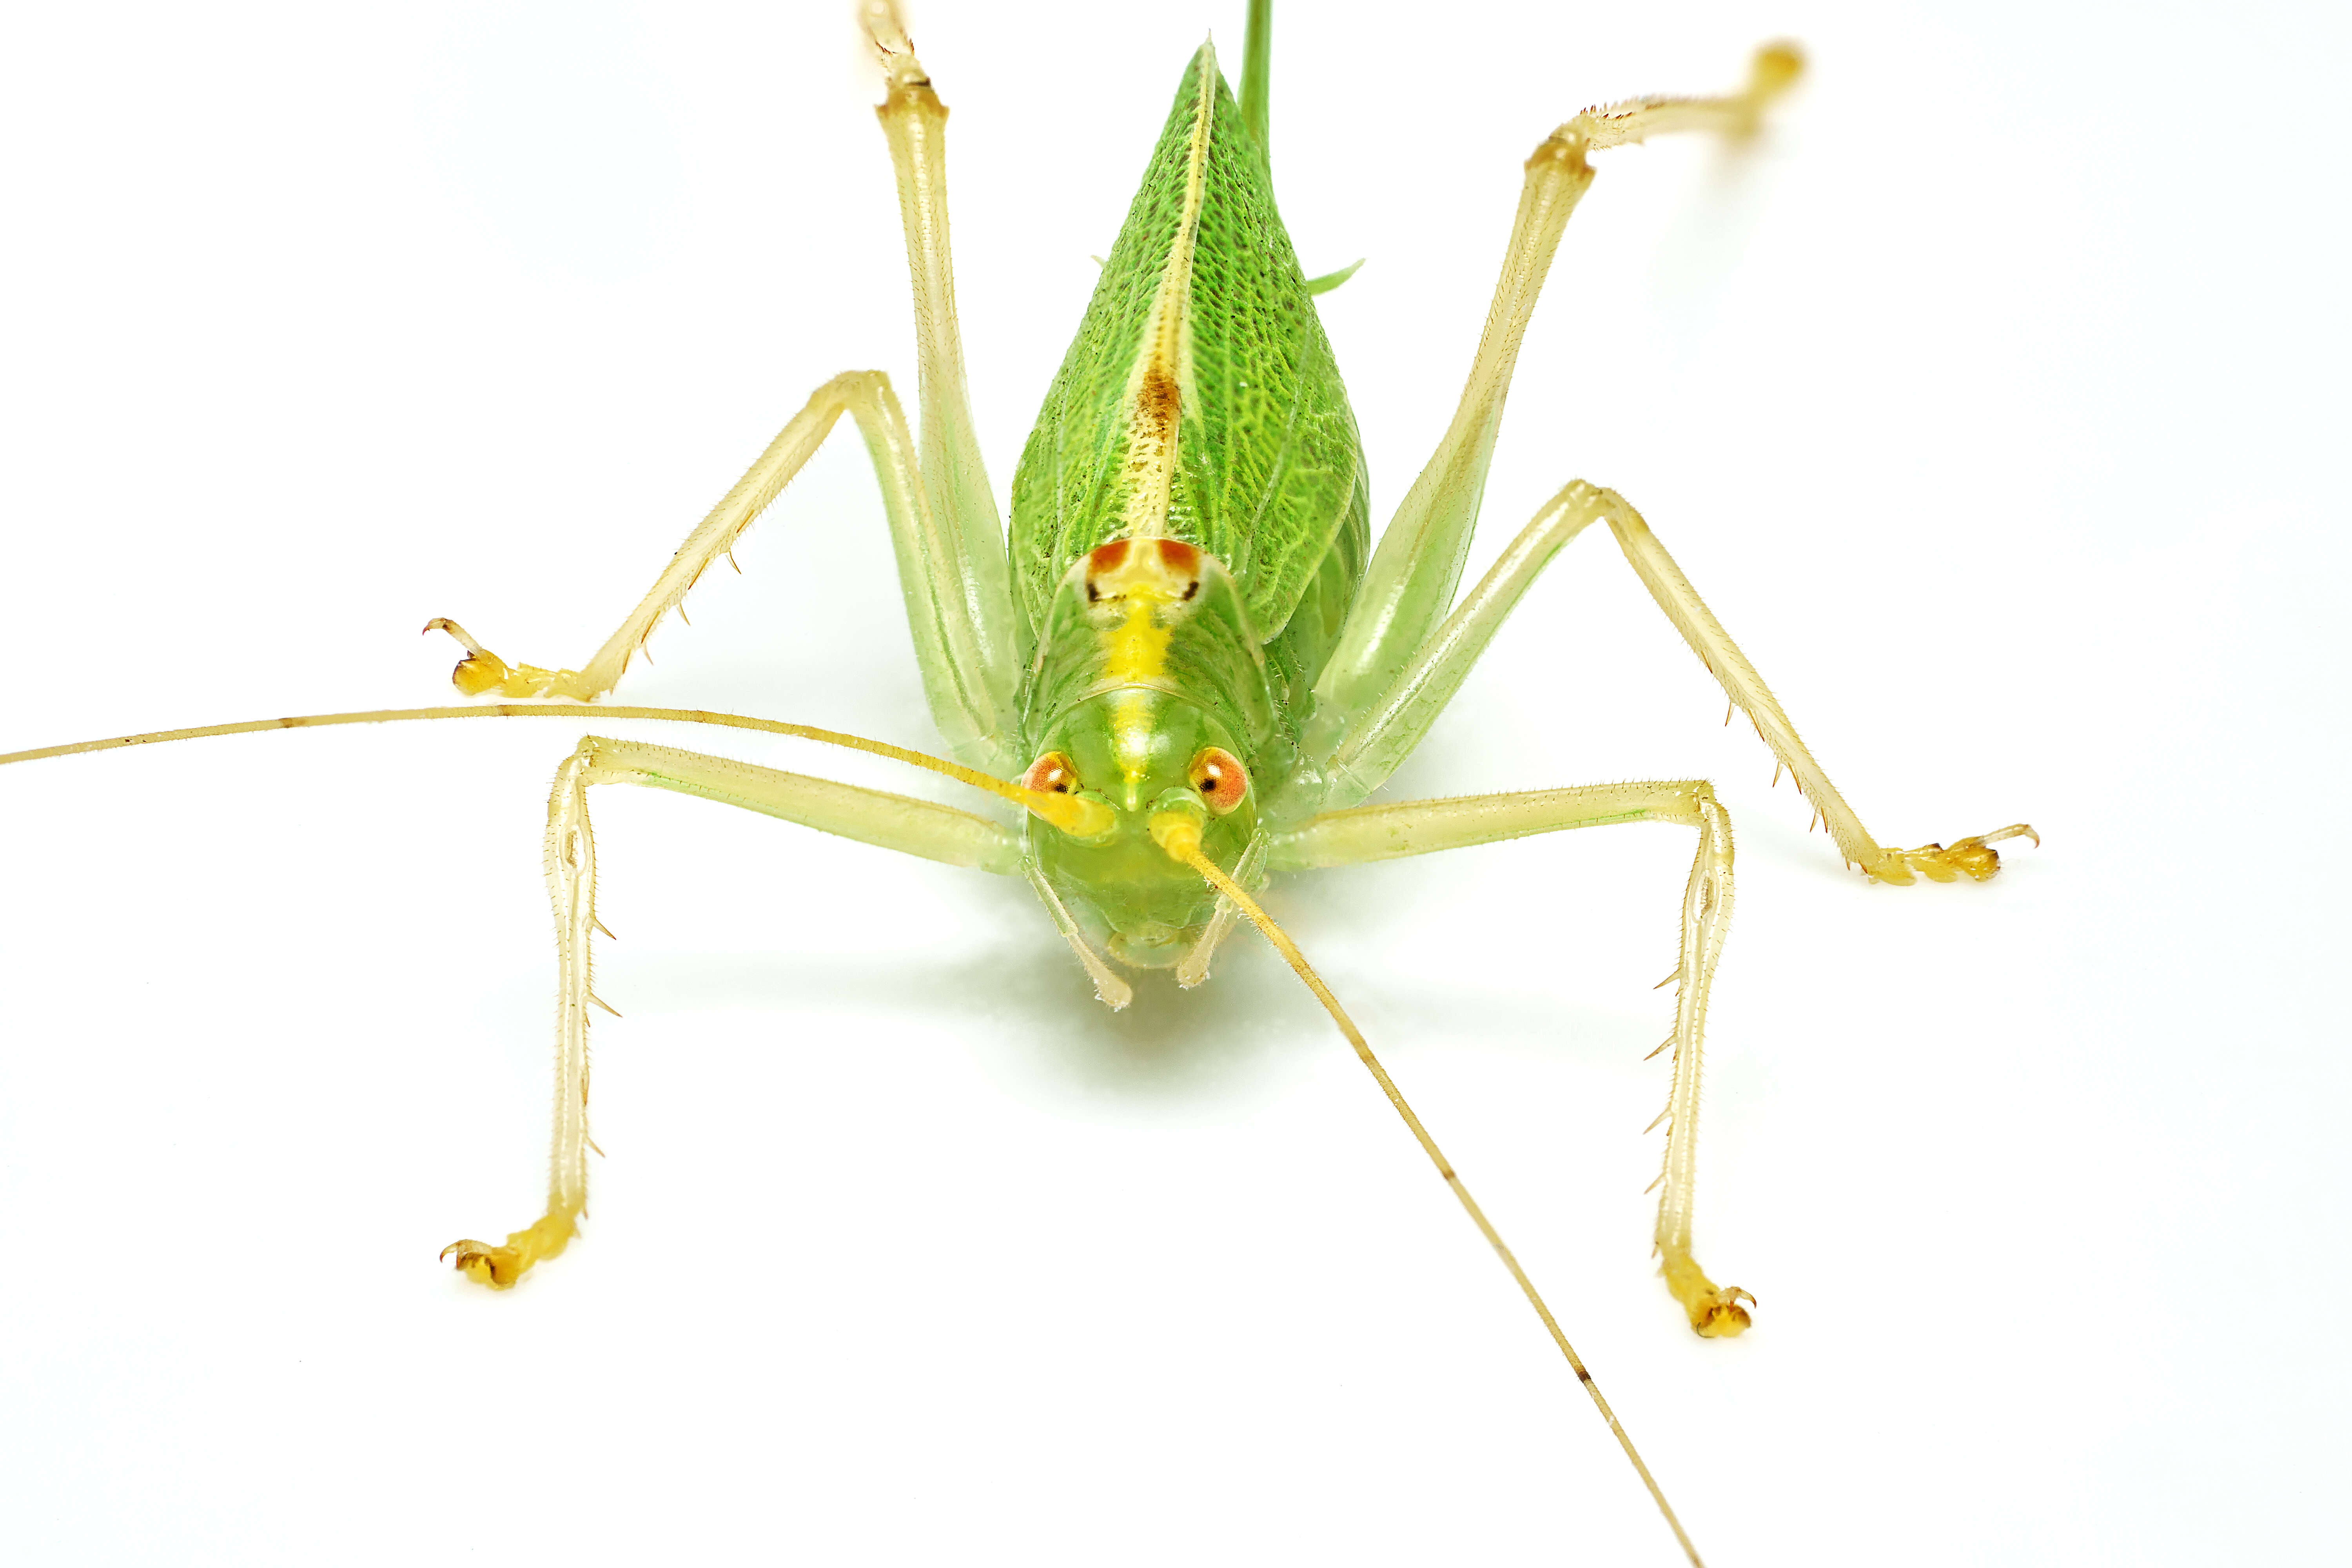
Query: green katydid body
point(1189, 524)
point(1187, 649)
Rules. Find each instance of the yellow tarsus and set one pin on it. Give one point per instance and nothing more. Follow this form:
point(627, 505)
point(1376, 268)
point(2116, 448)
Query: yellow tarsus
point(1973, 857)
point(1715, 1312)
point(500, 1267)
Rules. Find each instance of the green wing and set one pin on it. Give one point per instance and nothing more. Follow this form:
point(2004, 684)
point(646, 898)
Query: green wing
point(1267, 472)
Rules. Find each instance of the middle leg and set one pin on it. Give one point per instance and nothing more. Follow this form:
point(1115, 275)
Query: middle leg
point(962, 625)
point(1383, 731)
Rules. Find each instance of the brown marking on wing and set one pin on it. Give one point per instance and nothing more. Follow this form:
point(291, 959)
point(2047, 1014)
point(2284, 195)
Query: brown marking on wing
point(1158, 400)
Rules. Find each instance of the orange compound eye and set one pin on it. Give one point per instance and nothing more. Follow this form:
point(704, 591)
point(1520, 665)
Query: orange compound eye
point(1051, 774)
point(1220, 777)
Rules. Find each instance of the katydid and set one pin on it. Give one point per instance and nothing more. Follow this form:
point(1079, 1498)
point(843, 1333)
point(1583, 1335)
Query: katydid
point(1187, 664)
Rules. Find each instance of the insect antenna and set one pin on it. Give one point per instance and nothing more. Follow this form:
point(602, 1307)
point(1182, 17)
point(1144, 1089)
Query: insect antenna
point(1179, 832)
point(1072, 813)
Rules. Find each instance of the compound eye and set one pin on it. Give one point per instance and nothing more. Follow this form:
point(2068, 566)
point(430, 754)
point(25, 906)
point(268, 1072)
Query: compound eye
point(1051, 774)
point(1220, 777)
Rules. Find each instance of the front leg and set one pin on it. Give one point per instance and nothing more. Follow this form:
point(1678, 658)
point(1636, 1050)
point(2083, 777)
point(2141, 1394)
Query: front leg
point(873, 816)
point(1423, 827)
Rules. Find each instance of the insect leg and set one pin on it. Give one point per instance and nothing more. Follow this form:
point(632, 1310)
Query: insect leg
point(914, 122)
point(892, 821)
point(944, 518)
point(962, 639)
point(1389, 832)
point(1394, 723)
point(1414, 574)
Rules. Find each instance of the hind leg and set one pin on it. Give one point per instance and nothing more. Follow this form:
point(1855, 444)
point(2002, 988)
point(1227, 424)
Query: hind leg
point(1413, 575)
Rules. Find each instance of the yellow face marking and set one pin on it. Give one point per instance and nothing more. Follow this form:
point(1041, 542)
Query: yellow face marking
point(1135, 651)
point(1138, 580)
point(1140, 592)
point(1130, 738)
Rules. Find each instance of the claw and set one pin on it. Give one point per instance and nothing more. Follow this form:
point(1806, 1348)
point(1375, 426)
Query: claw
point(1973, 858)
point(497, 1266)
point(1722, 1317)
point(481, 671)
point(1715, 1312)
point(500, 1267)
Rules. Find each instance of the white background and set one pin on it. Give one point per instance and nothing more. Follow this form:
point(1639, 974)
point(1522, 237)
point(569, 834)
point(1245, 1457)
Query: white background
point(1988, 406)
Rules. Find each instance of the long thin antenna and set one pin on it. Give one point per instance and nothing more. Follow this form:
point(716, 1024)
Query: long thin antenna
point(1072, 813)
point(1179, 832)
